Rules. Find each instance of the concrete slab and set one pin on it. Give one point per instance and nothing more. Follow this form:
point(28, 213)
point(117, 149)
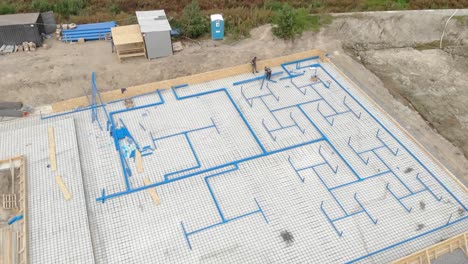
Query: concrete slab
point(280, 171)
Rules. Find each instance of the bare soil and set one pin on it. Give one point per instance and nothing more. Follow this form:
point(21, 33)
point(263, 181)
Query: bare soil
point(431, 81)
point(424, 90)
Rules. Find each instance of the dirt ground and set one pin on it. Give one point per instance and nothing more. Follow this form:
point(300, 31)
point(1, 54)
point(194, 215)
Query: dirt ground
point(378, 50)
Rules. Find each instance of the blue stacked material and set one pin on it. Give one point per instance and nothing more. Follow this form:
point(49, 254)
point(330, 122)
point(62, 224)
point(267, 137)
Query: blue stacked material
point(175, 32)
point(88, 31)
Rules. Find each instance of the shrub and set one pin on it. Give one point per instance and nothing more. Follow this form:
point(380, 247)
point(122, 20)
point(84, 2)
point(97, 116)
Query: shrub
point(114, 9)
point(41, 5)
point(288, 23)
point(7, 8)
point(273, 5)
point(192, 22)
point(239, 21)
point(69, 7)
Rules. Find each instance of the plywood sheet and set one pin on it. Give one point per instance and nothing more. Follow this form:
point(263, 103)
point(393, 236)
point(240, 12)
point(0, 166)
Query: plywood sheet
point(124, 35)
point(139, 161)
point(52, 157)
point(61, 184)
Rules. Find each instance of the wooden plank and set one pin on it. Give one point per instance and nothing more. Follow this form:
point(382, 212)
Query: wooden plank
point(193, 79)
point(7, 248)
point(24, 256)
point(126, 35)
point(52, 157)
point(465, 247)
point(428, 259)
point(139, 162)
point(434, 251)
point(128, 55)
point(152, 191)
point(66, 194)
point(18, 240)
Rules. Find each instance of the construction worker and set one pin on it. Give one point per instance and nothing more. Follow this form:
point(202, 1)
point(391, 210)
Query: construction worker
point(254, 65)
point(267, 73)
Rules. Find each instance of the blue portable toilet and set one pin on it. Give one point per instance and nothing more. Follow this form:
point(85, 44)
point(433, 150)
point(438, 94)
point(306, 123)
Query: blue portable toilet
point(217, 26)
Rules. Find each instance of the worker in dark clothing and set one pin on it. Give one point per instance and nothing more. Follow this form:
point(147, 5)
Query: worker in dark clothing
point(267, 73)
point(254, 65)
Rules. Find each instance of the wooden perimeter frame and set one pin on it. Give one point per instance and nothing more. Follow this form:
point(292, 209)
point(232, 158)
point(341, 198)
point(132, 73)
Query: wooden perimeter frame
point(22, 235)
point(72, 104)
point(223, 73)
point(433, 252)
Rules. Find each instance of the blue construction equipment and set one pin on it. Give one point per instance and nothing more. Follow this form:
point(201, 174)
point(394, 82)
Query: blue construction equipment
point(87, 32)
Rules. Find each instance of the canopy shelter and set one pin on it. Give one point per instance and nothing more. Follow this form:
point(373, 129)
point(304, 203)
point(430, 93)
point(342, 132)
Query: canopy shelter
point(128, 41)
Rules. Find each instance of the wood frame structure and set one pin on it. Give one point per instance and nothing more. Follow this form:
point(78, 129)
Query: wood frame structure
point(72, 104)
point(433, 252)
point(128, 41)
point(14, 241)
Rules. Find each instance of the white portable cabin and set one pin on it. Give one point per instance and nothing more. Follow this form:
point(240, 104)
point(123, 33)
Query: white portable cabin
point(156, 32)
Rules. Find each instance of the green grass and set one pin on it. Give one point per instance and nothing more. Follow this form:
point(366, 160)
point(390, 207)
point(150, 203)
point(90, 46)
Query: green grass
point(427, 46)
point(315, 22)
point(381, 5)
point(240, 15)
point(7, 8)
point(463, 20)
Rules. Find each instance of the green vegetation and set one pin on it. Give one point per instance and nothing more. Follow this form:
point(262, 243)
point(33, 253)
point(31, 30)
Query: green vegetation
point(114, 9)
point(193, 23)
point(378, 5)
point(7, 8)
point(69, 7)
point(240, 20)
point(429, 45)
point(41, 5)
point(289, 23)
point(240, 16)
point(64, 8)
point(461, 19)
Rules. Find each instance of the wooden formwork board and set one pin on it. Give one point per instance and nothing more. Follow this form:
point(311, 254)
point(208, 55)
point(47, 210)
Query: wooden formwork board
point(192, 79)
point(17, 245)
point(152, 191)
point(63, 188)
point(139, 162)
point(433, 252)
point(52, 157)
